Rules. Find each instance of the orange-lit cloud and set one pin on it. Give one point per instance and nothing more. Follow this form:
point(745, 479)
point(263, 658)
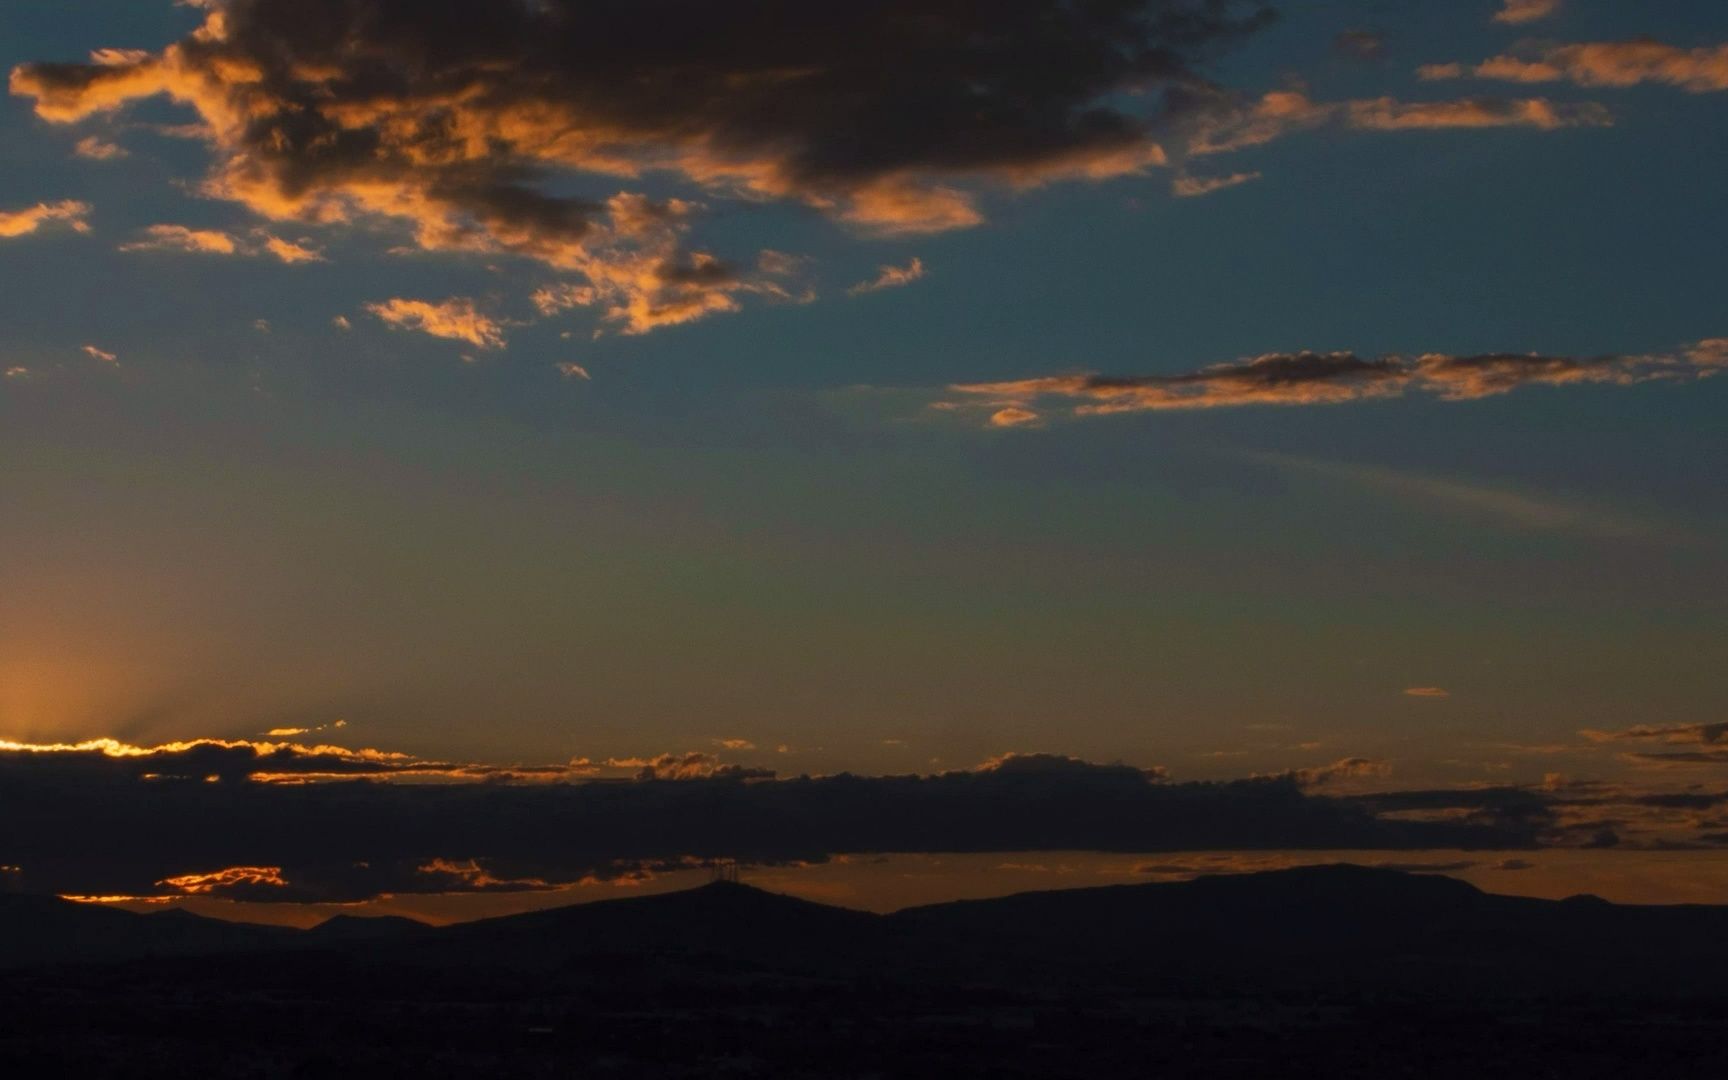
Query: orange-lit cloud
point(1014, 416)
point(183, 239)
point(890, 277)
point(572, 370)
point(467, 875)
point(694, 765)
point(186, 240)
point(356, 125)
point(1427, 692)
point(292, 732)
point(203, 884)
point(1519, 12)
point(101, 355)
point(68, 212)
point(1191, 187)
point(1283, 112)
point(457, 319)
point(1351, 768)
point(1310, 378)
point(96, 148)
point(290, 252)
point(637, 274)
point(1387, 114)
point(1603, 64)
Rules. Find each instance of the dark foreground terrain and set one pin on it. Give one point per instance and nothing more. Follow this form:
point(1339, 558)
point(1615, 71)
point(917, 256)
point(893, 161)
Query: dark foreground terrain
point(1325, 972)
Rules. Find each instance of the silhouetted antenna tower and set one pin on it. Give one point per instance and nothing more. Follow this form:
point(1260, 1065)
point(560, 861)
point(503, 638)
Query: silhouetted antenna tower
point(723, 870)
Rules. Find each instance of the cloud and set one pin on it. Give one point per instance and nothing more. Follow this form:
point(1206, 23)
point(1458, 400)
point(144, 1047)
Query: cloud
point(1228, 125)
point(1352, 768)
point(1513, 864)
point(695, 765)
point(1387, 114)
point(463, 121)
point(102, 355)
point(1314, 378)
point(68, 212)
point(185, 240)
point(291, 252)
point(457, 319)
point(638, 274)
point(1602, 64)
point(1519, 12)
point(1427, 692)
point(355, 835)
point(292, 732)
point(1190, 187)
point(180, 238)
point(572, 370)
point(96, 148)
point(1701, 734)
point(890, 277)
point(227, 880)
point(1516, 509)
point(1014, 416)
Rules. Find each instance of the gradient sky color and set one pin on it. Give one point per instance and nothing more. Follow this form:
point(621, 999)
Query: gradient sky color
point(240, 492)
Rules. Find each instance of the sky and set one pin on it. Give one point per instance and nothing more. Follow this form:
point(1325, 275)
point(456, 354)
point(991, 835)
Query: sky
point(582, 398)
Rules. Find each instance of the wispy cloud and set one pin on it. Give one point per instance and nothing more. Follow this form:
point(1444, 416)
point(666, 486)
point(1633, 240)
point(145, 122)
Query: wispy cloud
point(458, 319)
point(1313, 378)
point(1191, 187)
point(1279, 113)
point(1517, 510)
point(1601, 64)
point(1519, 12)
point(890, 277)
point(68, 212)
point(182, 239)
point(96, 148)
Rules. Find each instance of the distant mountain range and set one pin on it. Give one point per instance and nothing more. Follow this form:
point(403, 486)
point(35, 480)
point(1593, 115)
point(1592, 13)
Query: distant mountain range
point(1310, 926)
point(1333, 972)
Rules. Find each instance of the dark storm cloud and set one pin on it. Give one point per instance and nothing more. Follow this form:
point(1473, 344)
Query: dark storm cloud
point(446, 112)
point(464, 121)
point(92, 825)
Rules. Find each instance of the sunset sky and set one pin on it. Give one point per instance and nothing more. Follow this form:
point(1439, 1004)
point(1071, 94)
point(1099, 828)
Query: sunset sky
point(491, 398)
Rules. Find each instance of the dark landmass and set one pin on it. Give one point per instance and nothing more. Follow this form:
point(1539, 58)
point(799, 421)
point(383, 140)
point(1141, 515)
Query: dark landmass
point(1323, 971)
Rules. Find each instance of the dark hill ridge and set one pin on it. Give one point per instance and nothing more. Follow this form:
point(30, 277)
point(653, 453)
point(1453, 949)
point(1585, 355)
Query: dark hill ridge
point(1305, 926)
point(1332, 972)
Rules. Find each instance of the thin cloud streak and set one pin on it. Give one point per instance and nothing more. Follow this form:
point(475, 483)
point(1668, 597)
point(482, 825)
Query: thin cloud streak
point(1516, 510)
point(1601, 64)
point(1312, 378)
point(890, 277)
point(1520, 12)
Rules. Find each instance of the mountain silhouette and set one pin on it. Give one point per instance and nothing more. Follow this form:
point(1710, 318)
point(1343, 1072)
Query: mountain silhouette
point(1304, 926)
point(1327, 971)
